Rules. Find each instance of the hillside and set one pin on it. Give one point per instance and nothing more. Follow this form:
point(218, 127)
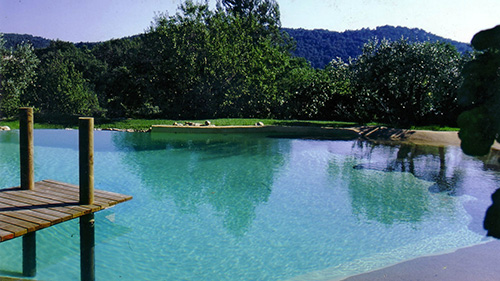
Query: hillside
point(318, 46)
point(321, 46)
point(13, 39)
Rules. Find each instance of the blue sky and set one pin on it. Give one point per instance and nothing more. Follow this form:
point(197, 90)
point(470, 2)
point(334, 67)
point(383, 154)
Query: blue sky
point(99, 20)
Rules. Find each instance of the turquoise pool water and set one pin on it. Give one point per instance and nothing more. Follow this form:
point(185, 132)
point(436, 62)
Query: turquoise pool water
point(254, 208)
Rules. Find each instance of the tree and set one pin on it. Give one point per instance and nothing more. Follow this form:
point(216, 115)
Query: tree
point(480, 94)
point(128, 85)
point(266, 12)
point(62, 90)
point(406, 83)
point(215, 64)
point(17, 74)
point(92, 69)
point(318, 93)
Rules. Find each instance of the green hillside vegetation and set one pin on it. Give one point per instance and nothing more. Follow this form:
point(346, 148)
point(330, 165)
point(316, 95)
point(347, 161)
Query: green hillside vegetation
point(232, 62)
point(319, 46)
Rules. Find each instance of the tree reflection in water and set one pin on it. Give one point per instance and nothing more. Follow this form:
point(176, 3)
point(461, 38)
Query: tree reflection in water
point(446, 169)
point(397, 179)
point(9, 163)
point(424, 162)
point(188, 171)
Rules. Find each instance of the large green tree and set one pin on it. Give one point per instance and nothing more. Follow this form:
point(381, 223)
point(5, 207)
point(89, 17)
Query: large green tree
point(265, 12)
point(318, 93)
point(129, 83)
point(17, 75)
point(407, 83)
point(480, 93)
point(61, 89)
point(216, 64)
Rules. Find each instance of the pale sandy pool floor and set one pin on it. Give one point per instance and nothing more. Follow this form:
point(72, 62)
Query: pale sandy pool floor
point(476, 263)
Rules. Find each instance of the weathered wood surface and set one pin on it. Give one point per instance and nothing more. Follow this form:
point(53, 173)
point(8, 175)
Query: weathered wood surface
point(51, 202)
point(27, 149)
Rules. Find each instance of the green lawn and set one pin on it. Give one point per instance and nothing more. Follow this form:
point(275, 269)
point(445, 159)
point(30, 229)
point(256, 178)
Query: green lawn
point(145, 124)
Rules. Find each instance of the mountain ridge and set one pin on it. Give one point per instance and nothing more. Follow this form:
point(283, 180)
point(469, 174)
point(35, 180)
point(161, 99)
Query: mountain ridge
point(318, 46)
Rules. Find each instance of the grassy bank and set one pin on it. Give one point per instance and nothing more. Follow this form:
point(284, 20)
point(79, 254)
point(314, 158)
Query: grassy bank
point(145, 124)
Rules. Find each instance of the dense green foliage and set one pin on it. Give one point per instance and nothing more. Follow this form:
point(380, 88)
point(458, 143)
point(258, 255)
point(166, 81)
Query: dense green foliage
point(235, 62)
point(12, 40)
point(407, 83)
point(480, 94)
point(17, 74)
point(216, 64)
point(317, 46)
point(321, 46)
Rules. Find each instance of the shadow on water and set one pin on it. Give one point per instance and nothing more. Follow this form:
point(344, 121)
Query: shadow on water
point(492, 217)
point(393, 182)
point(382, 195)
point(392, 192)
point(188, 169)
point(447, 168)
point(424, 162)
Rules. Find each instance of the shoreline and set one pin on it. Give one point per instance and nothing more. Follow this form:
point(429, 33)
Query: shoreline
point(377, 134)
point(476, 262)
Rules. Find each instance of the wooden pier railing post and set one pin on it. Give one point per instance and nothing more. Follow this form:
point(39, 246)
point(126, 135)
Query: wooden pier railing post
point(86, 151)
point(29, 254)
point(26, 150)
point(87, 231)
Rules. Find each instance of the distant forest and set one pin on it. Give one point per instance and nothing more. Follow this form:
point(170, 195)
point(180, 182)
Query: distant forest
point(318, 46)
point(236, 61)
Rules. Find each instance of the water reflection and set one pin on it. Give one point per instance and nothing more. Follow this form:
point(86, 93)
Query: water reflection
point(394, 181)
point(9, 162)
point(385, 196)
point(193, 172)
point(492, 217)
point(445, 169)
point(424, 162)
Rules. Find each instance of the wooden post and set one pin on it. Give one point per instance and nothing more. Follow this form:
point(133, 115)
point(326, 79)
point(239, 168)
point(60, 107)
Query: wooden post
point(29, 254)
point(87, 231)
point(87, 244)
point(86, 150)
point(26, 149)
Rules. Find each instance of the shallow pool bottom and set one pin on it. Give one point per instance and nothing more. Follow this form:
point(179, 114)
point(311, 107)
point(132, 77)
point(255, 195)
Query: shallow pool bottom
point(244, 208)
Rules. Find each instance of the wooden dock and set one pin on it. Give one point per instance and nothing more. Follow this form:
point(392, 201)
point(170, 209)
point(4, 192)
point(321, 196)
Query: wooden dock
point(36, 205)
point(49, 203)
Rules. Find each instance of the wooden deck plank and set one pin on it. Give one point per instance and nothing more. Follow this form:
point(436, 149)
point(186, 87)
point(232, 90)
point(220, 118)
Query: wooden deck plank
point(29, 225)
point(97, 192)
point(51, 202)
point(47, 190)
point(5, 235)
point(52, 198)
point(15, 205)
point(37, 204)
point(42, 223)
point(17, 230)
point(34, 197)
point(30, 216)
point(8, 210)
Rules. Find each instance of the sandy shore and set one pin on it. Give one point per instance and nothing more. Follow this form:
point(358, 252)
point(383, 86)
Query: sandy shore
point(372, 133)
point(475, 263)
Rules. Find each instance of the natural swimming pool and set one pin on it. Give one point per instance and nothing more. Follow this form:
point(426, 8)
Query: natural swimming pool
point(254, 208)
